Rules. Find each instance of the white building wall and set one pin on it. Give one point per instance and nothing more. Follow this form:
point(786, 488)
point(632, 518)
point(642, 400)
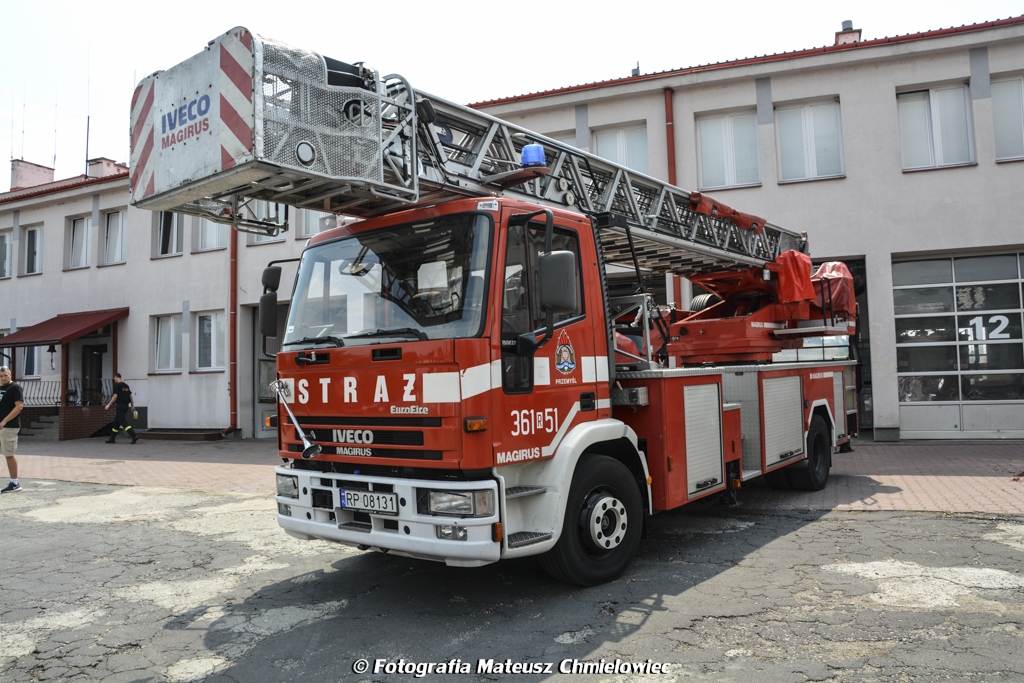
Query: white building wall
point(149, 286)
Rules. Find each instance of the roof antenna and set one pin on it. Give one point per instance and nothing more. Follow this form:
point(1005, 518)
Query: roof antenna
point(636, 71)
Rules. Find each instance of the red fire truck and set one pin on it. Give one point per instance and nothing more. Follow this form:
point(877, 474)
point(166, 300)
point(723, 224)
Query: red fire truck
point(478, 369)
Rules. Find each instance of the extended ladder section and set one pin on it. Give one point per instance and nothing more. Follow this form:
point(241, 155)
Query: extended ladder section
point(249, 120)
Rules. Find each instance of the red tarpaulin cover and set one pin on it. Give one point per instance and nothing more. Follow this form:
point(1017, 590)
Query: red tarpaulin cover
point(840, 284)
point(793, 270)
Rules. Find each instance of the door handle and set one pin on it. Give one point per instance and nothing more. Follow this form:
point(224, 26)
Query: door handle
point(588, 401)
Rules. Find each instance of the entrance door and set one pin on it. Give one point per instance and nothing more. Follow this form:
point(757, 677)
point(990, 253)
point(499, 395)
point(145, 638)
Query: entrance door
point(92, 374)
point(264, 401)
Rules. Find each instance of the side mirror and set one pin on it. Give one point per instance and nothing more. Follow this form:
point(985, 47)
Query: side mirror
point(268, 310)
point(271, 279)
point(558, 281)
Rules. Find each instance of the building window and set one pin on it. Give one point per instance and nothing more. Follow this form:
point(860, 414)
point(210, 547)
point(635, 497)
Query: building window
point(727, 151)
point(212, 235)
point(168, 343)
point(935, 128)
point(30, 361)
point(810, 141)
point(311, 222)
point(627, 147)
point(210, 341)
point(79, 248)
point(33, 250)
point(959, 330)
point(1008, 118)
point(5, 253)
point(267, 212)
point(114, 237)
point(170, 227)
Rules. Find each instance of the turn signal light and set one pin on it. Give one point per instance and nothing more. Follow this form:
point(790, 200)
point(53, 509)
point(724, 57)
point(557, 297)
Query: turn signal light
point(270, 421)
point(476, 424)
point(496, 535)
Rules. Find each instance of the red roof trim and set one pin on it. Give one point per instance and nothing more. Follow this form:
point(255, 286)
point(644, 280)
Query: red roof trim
point(70, 184)
point(63, 328)
point(924, 35)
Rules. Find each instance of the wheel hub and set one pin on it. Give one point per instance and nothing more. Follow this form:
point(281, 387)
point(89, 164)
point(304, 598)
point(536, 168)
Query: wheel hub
point(606, 522)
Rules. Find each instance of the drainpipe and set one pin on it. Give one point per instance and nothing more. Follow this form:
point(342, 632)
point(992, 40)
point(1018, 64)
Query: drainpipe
point(233, 337)
point(670, 137)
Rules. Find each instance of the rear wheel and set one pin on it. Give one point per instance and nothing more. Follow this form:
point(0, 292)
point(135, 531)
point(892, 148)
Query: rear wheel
point(602, 524)
point(812, 475)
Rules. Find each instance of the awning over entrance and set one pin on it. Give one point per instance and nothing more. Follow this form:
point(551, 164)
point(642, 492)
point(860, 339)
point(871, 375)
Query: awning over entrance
point(63, 328)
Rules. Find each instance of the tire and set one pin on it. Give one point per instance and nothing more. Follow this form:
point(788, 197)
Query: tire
point(603, 495)
point(812, 475)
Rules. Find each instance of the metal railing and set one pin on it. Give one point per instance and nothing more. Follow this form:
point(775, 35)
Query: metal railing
point(89, 392)
point(40, 393)
point(81, 392)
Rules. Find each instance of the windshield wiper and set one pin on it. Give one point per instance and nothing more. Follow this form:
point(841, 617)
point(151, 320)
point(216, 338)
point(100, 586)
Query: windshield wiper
point(395, 332)
point(316, 340)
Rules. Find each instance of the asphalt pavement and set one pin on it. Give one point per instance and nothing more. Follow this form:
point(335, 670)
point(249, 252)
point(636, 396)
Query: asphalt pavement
point(163, 562)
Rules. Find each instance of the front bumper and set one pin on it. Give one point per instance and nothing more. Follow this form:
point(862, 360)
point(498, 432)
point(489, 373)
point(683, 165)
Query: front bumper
point(316, 514)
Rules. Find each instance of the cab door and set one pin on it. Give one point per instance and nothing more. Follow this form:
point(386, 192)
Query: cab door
point(541, 396)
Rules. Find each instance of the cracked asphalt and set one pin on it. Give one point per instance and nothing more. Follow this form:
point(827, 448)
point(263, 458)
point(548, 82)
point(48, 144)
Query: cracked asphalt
point(118, 583)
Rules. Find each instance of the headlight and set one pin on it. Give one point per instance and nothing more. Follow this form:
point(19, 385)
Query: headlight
point(287, 486)
point(461, 503)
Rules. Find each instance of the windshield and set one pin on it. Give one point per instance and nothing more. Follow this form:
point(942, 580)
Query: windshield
point(416, 281)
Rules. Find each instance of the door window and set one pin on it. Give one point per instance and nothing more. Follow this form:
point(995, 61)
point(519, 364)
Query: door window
point(520, 304)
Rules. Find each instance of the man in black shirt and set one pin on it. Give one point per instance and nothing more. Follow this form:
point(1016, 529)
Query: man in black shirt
point(11, 402)
point(123, 397)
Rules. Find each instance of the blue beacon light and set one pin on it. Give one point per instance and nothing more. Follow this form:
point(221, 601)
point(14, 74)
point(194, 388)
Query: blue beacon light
point(533, 156)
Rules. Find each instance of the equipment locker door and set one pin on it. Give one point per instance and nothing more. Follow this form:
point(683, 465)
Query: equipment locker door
point(541, 396)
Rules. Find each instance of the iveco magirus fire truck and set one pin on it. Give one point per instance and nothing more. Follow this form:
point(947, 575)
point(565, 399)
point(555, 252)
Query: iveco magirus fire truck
point(464, 374)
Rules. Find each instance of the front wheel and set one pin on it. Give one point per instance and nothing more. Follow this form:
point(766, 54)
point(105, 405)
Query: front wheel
point(602, 524)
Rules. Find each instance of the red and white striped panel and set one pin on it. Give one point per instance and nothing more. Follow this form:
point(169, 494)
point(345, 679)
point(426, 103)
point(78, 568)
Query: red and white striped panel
point(236, 105)
point(143, 135)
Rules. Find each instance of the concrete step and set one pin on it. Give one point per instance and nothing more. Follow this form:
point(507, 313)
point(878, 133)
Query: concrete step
point(47, 419)
point(46, 436)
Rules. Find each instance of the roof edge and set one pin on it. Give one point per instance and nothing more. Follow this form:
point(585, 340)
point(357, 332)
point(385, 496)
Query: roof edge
point(798, 54)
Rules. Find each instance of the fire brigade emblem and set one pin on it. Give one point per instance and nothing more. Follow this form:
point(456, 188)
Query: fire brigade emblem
point(565, 357)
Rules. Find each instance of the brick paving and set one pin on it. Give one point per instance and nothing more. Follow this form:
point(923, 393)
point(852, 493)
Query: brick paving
point(935, 476)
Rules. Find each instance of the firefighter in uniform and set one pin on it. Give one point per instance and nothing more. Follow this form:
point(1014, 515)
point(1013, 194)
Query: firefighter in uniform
point(123, 397)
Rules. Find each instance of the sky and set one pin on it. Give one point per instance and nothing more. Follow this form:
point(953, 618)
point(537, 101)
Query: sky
point(63, 63)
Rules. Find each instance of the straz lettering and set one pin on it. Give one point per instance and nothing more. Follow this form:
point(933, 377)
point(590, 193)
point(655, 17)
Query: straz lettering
point(190, 120)
point(521, 455)
point(353, 436)
point(410, 410)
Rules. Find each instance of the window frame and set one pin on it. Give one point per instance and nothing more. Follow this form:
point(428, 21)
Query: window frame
point(217, 351)
point(1019, 80)
point(6, 254)
point(729, 149)
point(307, 221)
point(934, 128)
point(79, 230)
point(122, 247)
point(27, 266)
point(32, 352)
point(622, 145)
point(178, 233)
point(174, 339)
point(808, 141)
point(201, 227)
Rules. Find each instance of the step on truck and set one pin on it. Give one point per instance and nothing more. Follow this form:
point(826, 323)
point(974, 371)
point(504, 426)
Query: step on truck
point(474, 366)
